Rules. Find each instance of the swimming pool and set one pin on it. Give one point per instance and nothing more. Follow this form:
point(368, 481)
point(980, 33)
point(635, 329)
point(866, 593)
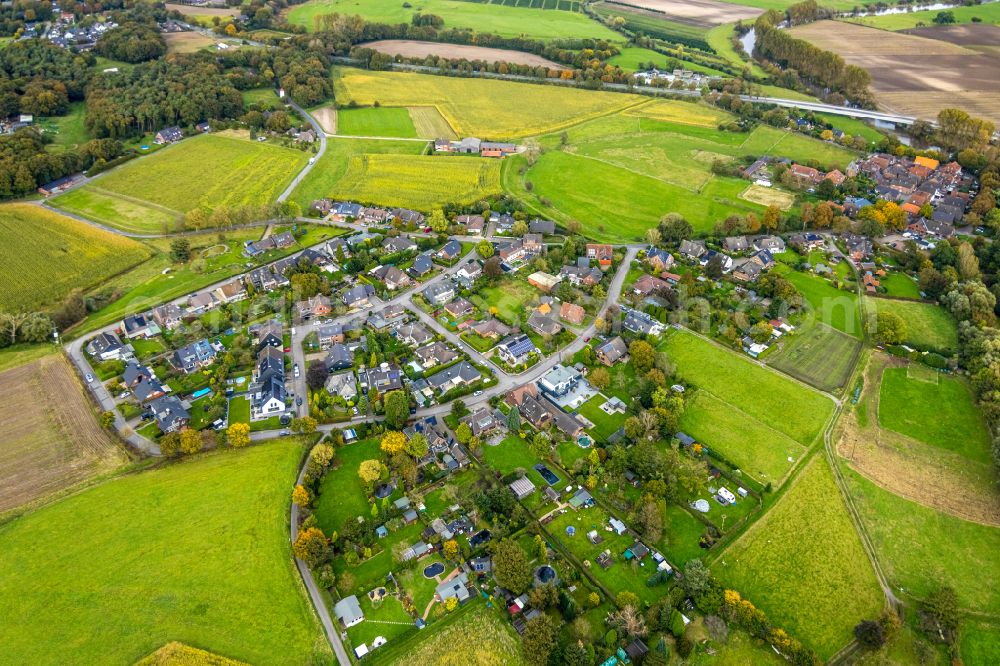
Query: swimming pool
point(432, 570)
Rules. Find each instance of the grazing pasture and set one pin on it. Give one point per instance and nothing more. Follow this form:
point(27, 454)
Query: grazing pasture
point(421, 182)
point(507, 21)
point(913, 74)
point(928, 326)
point(209, 170)
point(196, 551)
point(818, 355)
point(803, 564)
point(921, 549)
point(775, 401)
point(409, 48)
point(51, 436)
point(759, 450)
point(938, 410)
point(46, 255)
point(489, 109)
point(827, 304)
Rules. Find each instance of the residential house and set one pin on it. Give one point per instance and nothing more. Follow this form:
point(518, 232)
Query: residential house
point(328, 334)
point(139, 326)
point(484, 421)
point(542, 323)
point(422, 264)
point(317, 306)
point(544, 227)
point(460, 374)
point(346, 209)
point(201, 302)
point(459, 307)
point(468, 273)
point(602, 253)
point(647, 285)
point(454, 588)
point(559, 381)
point(267, 397)
point(473, 224)
point(641, 323)
point(580, 275)
point(384, 378)
point(389, 317)
point(516, 396)
point(413, 334)
point(168, 316)
point(268, 334)
point(264, 279)
point(374, 217)
point(148, 389)
point(348, 611)
point(747, 270)
point(543, 281)
point(436, 353)
point(806, 174)
point(231, 292)
point(358, 296)
point(572, 313)
point(193, 357)
point(612, 351)
point(392, 277)
point(736, 244)
point(659, 259)
point(807, 241)
point(515, 350)
point(135, 372)
point(773, 244)
point(340, 357)
point(512, 251)
point(343, 385)
point(725, 261)
point(395, 244)
point(168, 135)
point(169, 413)
point(407, 216)
point(106, 347)
point(491, 328)
point(451, 250)
point(439, 293)
point(693, 250)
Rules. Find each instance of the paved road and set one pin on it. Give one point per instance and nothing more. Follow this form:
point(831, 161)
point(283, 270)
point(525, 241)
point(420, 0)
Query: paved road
point(312, 161)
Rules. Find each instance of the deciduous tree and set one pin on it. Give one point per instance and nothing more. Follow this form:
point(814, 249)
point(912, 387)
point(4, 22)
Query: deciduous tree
point(312, 546)
point(510, 567)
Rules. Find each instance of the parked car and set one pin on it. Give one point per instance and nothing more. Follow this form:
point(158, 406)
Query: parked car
point(90, 378)
point(477, 393)
point(295, 370)
point(298, 402)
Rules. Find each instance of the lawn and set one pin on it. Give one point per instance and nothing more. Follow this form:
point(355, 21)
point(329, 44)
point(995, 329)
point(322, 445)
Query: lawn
point(264, 96)
point(332, 167)
point(489, 109)
point(921, 548)
point(980, 643)
point(755, 448)
point(928, 326)
point(900, 285)
point(384, 121)
point(803, 565)
point(570, 452)
point(605, 424)
point(111, 574)
point(420, 182)
point(766, 396)
point(12, 357)
point(372, 572)
point(239, 410)
point(512, 454)
point(853, 127)
point(681, 533)
point(343, 495)
point(818, 355)
point(941, 414)
point(209, 170)
point(509, 297)
point(47, 255)
point(498, 19)
point(827, 304)
point(389, 620)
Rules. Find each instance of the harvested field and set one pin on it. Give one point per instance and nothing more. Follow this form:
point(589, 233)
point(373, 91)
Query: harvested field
point(978, 34)
point(820, 355)
point(429, 123)
point(51, 437)
point(911, 74)
point(326, 116)
point(708, 13)
point(767, 196)
point(189, 10)
point(409, 48)
point(929, 475)
point(186, 42)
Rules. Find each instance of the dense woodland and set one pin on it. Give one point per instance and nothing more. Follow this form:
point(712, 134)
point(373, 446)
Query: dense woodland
point(134, 41)
point(39, 78)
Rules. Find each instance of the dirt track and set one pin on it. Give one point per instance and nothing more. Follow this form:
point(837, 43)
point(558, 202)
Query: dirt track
point(415, 49)
point(708, 13)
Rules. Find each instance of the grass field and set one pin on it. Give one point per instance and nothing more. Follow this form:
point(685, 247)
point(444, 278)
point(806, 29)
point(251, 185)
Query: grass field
point(659, 157)
point(818, 355)
point(383, 121)
point(264, 96)
point(48, 448)
point(67, 131)
point(512, 454)
point(928, 326)
point(921, 548)
point(803, 564)
point(941, 414)
point(758, 450)
point(980, 643)
point(761, 394)
point(476, 636)
point(605, 425)
point(210, 170)
point(421, 182)
point(853, 127)
point(510, 298)
point(899, 285)
point(656, 25)
point(828, 305)
point(506, 21)
point(46, 255)
point(768, 196)
point(429, 123)
point(342, 493)
point(488, 109)
point(332, 167)
point(195, 552)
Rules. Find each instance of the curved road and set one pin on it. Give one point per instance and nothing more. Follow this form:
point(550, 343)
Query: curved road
point(313, 160)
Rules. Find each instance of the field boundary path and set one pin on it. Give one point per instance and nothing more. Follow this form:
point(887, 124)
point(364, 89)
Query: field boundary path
point(319, 604)
point(314, 159)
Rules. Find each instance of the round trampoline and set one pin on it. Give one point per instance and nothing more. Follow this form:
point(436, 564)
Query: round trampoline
point(432, 570)
point(545, 574)
point(383, 490)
